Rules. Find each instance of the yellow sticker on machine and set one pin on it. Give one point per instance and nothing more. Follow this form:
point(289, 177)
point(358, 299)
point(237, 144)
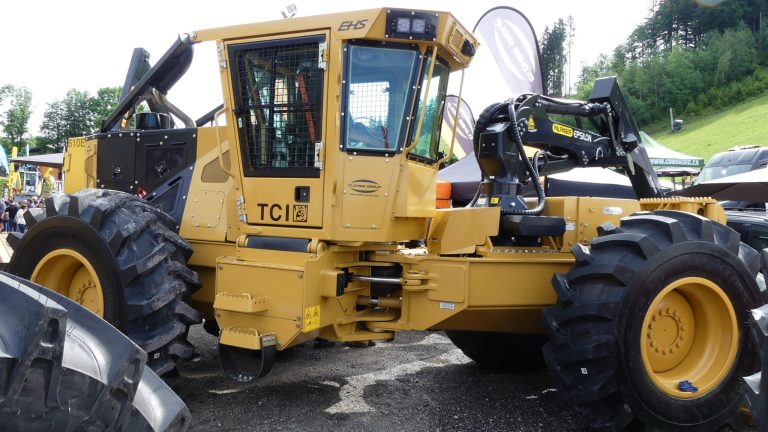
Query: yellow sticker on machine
point(531, 124)
point(311, 318)
point(562, 130)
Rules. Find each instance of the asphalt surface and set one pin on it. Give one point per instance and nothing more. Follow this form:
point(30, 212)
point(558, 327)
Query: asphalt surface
point(418, 382)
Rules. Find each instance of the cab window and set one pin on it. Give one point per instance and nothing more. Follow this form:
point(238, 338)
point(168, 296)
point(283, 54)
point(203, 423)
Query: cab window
point(429, 137)
point(278, 94)
point(378, 84)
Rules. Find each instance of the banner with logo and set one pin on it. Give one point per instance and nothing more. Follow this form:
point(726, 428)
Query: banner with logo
point(507, 35)
point(464, 127)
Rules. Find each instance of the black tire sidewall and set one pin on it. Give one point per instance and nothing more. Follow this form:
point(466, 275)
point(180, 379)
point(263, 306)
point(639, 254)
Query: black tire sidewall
point(698, 259)
point(64, 232)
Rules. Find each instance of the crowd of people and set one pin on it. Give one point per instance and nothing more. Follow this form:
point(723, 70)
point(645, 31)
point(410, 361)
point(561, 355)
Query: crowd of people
point(13, 213)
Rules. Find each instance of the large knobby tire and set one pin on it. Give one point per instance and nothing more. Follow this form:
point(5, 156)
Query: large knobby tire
point(756, 389)
point(648, 308)
point(500, 351)
point(64, 369)
point(119, 257)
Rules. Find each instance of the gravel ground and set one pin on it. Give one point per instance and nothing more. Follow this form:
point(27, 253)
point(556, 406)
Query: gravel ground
point(418, 382)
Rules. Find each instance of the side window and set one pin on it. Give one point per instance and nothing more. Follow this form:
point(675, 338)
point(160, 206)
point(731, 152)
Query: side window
point(429, 139)
point(278, 94)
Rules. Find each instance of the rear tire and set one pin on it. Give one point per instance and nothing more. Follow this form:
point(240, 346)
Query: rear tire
point(63, 368)
point(115, 244)
point(500, 351)
point(661, 300)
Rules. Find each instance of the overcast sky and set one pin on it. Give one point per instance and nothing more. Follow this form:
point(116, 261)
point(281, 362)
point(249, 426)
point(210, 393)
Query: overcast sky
point(53, 46)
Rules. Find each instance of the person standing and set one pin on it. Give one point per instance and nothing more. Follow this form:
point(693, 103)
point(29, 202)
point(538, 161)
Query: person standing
point(3, 217)
point(21, 224)
point(12, 209)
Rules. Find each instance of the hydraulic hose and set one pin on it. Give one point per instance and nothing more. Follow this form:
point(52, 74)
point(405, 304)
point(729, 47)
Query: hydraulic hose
point(541, 197)
point(496, 113)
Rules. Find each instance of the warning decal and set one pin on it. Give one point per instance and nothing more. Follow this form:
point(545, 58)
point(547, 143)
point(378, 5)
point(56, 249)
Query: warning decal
point(311, 318)
point(531, 125)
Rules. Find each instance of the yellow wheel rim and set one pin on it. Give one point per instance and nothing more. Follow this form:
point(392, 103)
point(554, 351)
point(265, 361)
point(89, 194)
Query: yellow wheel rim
point(690, 332)
point(70, 274)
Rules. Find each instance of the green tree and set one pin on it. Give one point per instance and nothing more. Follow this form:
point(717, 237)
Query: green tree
point(569, 42)
point(104, 103)
point(77, 114)
point(53, 128)
point(553, 58)
point(16, 116)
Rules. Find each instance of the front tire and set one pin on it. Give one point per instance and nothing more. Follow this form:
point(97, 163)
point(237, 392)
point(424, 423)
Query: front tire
point(651, 324)
point(119, 257)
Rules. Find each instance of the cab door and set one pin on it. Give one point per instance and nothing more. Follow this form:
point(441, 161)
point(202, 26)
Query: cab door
point(278, 93)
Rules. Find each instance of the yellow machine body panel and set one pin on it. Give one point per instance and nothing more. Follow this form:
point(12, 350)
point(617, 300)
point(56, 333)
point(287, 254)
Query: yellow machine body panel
point(79, 168)
point(472, 285)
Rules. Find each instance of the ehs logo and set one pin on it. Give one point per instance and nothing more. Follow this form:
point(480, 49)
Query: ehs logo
point(352, 25)
point(283, 213)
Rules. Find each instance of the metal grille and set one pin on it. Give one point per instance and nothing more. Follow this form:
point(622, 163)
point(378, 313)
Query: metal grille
point(369, 103)
point(279, 105)
point(369, 108)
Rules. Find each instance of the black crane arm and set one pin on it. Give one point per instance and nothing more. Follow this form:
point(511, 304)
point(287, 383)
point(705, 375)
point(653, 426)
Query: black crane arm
point(532, 120)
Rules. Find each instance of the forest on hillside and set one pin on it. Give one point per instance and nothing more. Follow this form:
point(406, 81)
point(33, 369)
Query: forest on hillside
point(695, 57)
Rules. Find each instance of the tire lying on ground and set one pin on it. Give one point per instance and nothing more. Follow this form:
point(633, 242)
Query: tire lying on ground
point(119, 257)
point(500, 351)
point(651, 322)
point(64, 368)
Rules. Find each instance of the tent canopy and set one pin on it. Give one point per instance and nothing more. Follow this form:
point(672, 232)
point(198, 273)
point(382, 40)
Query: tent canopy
point(664, 157)
point(54, 160)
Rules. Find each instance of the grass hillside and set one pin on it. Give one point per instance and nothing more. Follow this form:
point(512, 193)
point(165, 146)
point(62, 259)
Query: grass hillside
point(742, 124)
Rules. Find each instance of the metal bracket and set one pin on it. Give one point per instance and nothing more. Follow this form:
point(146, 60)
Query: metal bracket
point(321, 48)
point(222, 60)
point(245, 365)
point(318, 153)
point(240, 204)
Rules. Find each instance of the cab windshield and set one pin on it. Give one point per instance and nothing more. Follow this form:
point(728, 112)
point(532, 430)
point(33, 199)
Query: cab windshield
point(379, 82)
